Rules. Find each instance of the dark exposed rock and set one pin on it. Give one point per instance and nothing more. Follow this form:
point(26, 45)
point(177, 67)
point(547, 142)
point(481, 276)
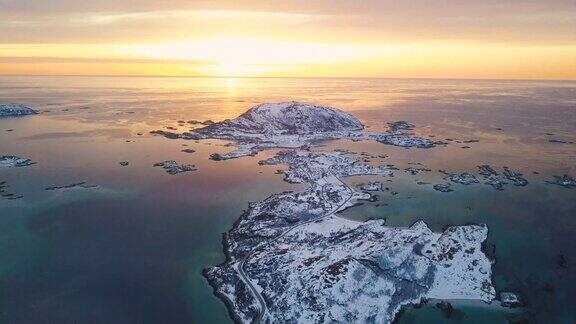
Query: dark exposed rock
point(414, 170)
point(446, 308)
point(464, 178)
point(560, 141)
point(515, 177)
point(487, 170)
point(400, 126)
point(491, 177)
point(509, 299)
point(172, 167)
point(165, 134)
point(216, 157)
point(371, 186)
point(77, 185)
point(565, 181)
point(443, 187)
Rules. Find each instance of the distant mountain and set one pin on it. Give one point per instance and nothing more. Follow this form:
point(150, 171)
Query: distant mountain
point(288, 118)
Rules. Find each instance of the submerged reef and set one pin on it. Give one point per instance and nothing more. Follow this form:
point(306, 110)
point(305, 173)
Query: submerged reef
point(6, 194)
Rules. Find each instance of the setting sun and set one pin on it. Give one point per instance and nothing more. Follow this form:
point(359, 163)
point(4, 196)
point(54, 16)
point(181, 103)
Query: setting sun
point(236, 56)
point(375, 40)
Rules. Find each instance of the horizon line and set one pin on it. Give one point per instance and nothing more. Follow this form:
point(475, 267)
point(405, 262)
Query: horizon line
point(274, 77)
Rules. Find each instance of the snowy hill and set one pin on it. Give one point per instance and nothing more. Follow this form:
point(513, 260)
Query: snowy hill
point(294, 125)
point(289, 118)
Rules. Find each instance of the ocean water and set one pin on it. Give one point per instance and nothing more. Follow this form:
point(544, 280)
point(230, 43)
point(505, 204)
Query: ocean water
point(132, 249)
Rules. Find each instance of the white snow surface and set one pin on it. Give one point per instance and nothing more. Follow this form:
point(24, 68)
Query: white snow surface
point(291, 259)
point(294, 118)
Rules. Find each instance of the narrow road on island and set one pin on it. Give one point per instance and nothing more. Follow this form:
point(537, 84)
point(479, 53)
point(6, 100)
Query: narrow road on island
point(332, 211)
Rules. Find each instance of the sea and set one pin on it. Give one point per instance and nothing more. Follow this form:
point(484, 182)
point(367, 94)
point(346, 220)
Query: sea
point(130, 246)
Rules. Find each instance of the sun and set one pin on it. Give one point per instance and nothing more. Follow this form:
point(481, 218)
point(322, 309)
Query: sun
point(231, 69)
point(231, 83)
point(245, 56)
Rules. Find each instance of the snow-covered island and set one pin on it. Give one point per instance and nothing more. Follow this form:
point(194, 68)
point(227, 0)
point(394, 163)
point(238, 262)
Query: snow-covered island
point(14, 110)
point(290, 258)
point(12, 161)
point(294, 125)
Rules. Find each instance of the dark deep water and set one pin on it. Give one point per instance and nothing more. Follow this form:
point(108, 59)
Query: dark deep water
point(132, 250)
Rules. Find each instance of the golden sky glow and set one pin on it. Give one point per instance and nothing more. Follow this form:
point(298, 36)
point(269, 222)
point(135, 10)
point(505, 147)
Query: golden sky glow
point(524, 39)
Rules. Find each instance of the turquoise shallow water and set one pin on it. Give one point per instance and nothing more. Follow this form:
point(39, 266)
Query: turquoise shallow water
point(132, 250)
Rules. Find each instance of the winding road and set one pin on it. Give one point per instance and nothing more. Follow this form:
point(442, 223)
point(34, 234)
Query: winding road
point(242, 264)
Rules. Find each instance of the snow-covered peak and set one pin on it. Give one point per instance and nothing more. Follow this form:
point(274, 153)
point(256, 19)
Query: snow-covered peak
point(291, 118)
point(12, 109)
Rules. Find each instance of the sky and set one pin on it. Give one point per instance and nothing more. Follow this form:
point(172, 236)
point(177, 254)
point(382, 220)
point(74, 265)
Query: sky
point(512, 39)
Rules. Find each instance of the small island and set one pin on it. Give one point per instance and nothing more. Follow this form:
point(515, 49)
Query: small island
point(295, 125)
point(15, 110)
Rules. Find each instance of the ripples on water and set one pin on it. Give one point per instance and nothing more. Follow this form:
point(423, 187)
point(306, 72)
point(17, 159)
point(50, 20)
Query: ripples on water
point(132, 249)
